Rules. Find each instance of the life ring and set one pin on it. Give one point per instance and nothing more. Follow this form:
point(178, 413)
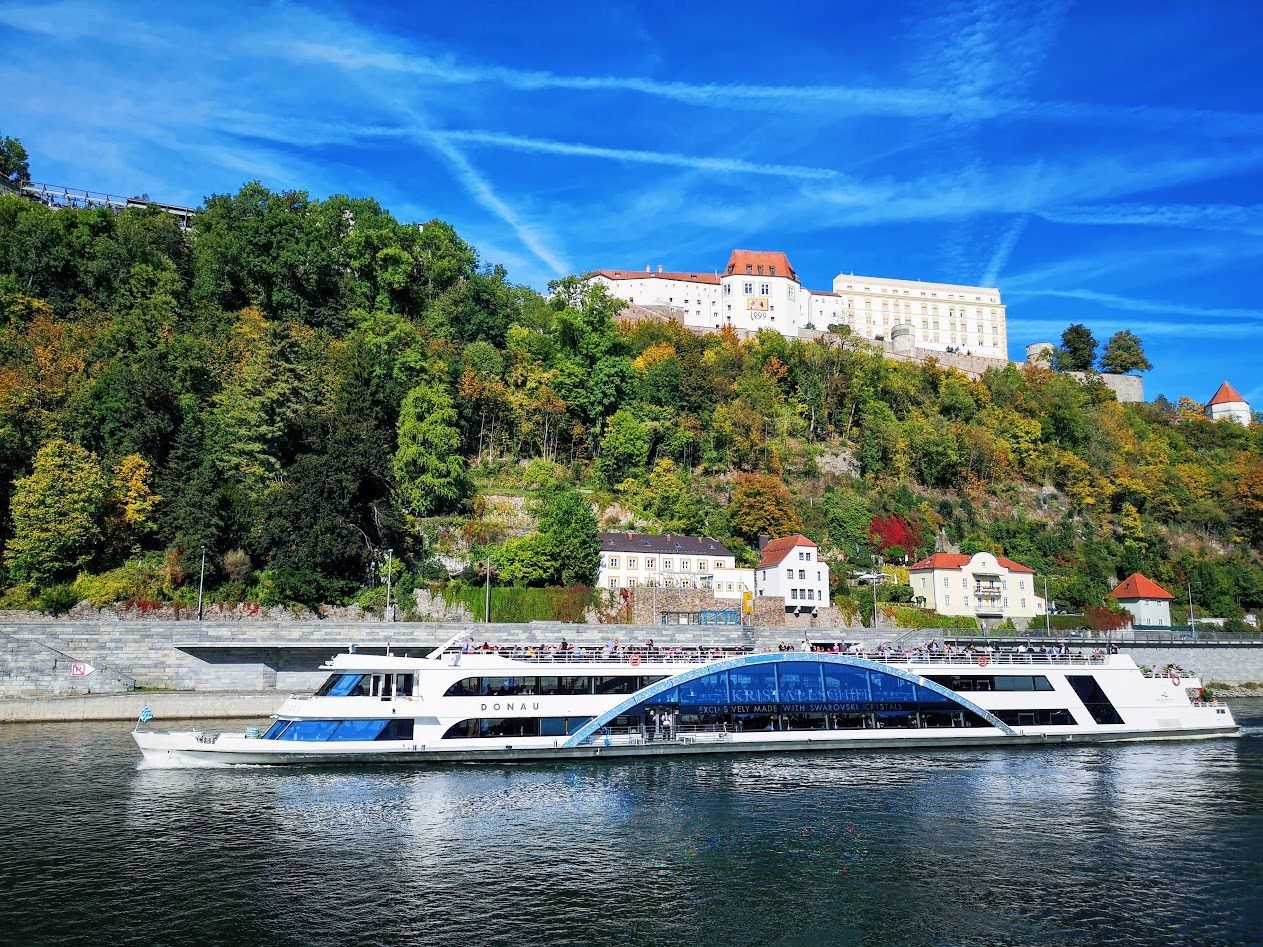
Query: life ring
point(1173, 678)
point(634, 660)
point(983, 660)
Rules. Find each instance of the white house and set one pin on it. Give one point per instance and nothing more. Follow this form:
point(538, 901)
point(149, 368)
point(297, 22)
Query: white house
point(791, 568)
point(1228, 405)
point(759, 289)
point(631, 560)
point(981, 585)
point(1148, 602)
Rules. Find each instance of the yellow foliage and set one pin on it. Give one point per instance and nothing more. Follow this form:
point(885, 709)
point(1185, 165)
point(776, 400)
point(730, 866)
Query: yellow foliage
point(134, 500)
point(653, 355)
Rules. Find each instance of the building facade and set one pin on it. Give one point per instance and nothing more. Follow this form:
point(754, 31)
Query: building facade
point(790, 568)
point(981, 585)
point(1148, 602)
point(1228, 405)
point(632, 560)
point(761, 290)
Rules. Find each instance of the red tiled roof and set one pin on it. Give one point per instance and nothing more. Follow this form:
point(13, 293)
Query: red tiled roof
point(956, 560)
point(774, 552)
point(638, 274)
point(1225, 395)
point(1139, 586)
point(774, 263)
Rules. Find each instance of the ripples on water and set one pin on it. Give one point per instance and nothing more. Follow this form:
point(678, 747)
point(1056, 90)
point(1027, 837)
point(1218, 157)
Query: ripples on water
point(1141, 843)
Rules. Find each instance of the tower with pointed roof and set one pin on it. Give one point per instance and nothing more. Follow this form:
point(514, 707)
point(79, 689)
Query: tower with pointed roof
point(1228, 405)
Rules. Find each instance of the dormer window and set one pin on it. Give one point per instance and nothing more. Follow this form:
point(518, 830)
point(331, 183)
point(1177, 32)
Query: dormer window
point(771, 271)
point(749, 270)
point(760, 270)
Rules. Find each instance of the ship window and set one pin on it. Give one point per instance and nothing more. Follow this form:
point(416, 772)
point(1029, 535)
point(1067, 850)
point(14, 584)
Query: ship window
point(492, 728)
point(1094, 698)
point(309, 730)
point(274, 731)
point(466, 687)
point(358, 730)
point(1036, 718)
point(317, 731)
point(615, 685)
point(560, 726)
point(344, 685)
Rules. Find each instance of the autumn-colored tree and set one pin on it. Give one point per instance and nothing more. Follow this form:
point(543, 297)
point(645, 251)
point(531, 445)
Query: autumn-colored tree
point(761, 503)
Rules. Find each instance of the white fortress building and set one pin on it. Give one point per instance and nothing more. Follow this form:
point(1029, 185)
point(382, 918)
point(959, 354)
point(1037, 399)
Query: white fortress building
point(760, 289)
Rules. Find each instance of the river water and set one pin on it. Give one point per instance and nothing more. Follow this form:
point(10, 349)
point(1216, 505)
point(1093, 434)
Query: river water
point(1157, 843)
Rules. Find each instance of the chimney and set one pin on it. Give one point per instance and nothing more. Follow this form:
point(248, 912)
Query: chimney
point(648, 268)
point(764, 539)
point(659, 267)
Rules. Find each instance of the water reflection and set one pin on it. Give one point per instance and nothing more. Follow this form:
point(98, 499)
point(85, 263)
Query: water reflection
point(1148, 843)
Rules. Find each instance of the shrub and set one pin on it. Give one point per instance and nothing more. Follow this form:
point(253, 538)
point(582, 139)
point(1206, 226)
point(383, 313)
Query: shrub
point(58, 599)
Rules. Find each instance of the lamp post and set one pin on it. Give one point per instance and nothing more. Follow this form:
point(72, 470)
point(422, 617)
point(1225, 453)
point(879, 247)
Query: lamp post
point(201, 584)
point(389, 560)
point(1191, 623)
point(486, 610)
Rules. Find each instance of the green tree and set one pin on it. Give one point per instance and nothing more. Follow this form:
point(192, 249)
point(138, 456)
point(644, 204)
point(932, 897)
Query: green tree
point(1078, 349)
point(624, 448)
point(56, 513)
point(1124, 353)
point(429, 469)
point(847, 517)
point(568, 527)
point(14, 168)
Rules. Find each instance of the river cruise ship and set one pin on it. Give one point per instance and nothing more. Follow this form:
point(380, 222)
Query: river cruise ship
point(457, 705)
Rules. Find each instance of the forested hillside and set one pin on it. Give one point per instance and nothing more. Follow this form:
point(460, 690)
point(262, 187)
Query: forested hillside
point(296, 386)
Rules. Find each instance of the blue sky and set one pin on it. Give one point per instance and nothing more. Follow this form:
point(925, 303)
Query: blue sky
point(1099, 162)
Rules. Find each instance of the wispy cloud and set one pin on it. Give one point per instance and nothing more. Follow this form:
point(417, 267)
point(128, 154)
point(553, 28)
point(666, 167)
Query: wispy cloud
point(1152, 306)
point(1234, 217)
point(700, 163)
point(481, 190)
point(1004, 250)
point(887, 101)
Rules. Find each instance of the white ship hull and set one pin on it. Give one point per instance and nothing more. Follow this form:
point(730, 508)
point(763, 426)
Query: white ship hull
point(491, 708)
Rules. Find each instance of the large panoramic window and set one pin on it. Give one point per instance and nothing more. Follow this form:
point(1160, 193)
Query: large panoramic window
point(992, 682)
point(319, 731)
point(1094, 698)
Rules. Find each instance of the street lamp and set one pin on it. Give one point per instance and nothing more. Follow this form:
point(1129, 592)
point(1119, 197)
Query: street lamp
point(389, 571)
point(201, 584)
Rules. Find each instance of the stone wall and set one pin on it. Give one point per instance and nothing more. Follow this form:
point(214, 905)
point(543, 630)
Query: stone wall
point(286, 656)
point(30, 668)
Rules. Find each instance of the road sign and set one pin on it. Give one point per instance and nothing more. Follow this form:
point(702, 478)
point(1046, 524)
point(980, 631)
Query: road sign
point(81, 669)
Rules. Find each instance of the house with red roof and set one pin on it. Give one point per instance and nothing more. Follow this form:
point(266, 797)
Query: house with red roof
point(1148, 602)
point(1228, 405)
point(982, 585)
point(790, 568)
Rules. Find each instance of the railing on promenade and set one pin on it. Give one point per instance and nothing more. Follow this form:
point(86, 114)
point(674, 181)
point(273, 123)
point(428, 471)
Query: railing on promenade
point(1174, 635)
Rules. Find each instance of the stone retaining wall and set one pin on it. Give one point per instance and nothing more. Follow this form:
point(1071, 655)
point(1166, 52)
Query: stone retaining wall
point(286, 656)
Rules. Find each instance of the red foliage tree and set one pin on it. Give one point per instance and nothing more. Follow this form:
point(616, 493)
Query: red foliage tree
point(887, 531)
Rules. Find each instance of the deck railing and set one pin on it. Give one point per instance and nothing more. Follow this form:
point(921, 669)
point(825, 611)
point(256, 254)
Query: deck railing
point(638, 656)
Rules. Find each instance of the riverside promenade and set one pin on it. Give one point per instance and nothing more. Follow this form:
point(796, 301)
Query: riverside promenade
point(62, 669)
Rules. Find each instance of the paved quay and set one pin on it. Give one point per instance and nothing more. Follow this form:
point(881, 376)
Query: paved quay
point(166, 706)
